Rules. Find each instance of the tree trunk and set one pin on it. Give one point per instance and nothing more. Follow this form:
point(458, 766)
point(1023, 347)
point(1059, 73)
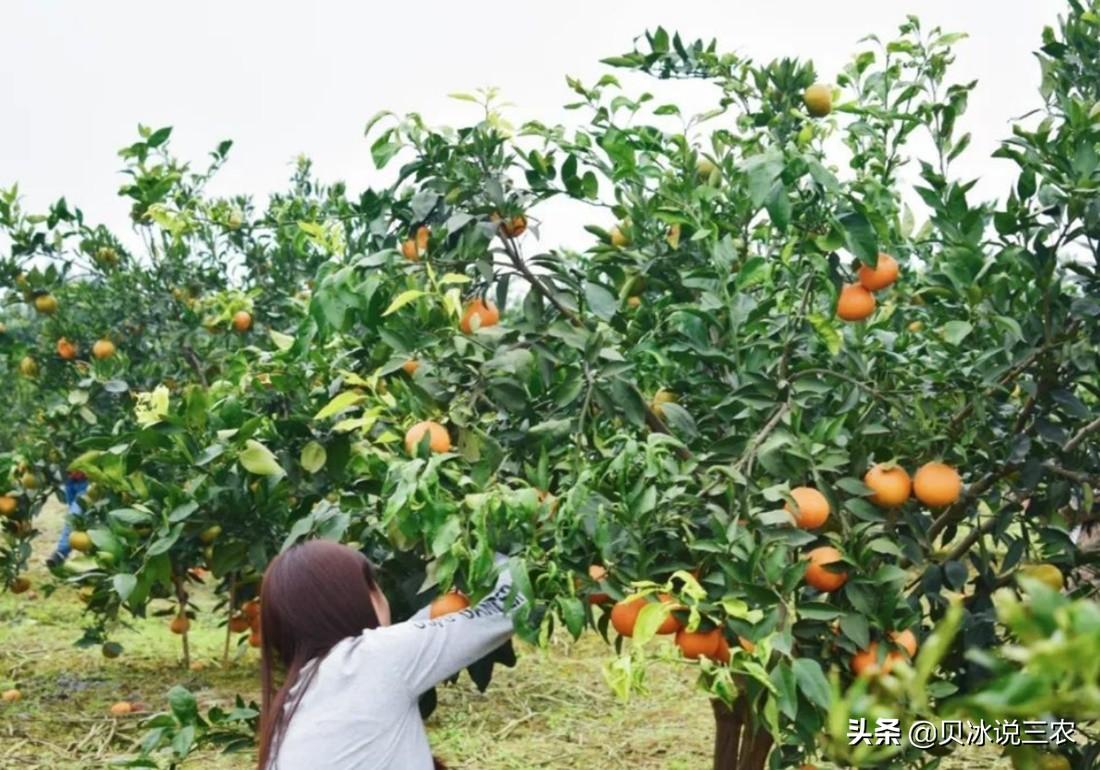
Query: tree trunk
point(738, 744)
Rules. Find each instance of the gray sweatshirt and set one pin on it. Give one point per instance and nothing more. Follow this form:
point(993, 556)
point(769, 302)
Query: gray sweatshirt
point(360, 711)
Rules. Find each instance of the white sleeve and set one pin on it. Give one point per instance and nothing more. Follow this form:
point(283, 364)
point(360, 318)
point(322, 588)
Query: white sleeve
point(425, 652)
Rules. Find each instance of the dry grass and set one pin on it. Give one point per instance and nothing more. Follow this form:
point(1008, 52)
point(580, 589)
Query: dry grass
point(552, 711)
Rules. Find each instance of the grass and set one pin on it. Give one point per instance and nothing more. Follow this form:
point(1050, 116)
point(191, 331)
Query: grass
point(552, 711)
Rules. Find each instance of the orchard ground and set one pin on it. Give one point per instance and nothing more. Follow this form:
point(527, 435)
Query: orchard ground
point(552, 711)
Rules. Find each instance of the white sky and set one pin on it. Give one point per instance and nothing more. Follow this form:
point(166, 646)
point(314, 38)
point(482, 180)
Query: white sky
point(283, 78)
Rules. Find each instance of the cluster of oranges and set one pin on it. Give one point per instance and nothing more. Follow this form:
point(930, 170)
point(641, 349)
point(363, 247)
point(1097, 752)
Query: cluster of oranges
point(247, 619)
point(935, 485)
point(856, 301)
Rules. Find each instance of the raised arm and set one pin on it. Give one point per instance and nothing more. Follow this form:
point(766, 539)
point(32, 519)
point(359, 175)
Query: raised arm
point(425, 652)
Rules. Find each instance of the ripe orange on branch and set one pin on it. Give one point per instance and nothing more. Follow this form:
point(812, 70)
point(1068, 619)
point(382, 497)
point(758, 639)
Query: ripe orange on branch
point(242, 321)
point(882, 275)
point(66, 350)
point(103, 349)
point(512, 227)
point(438, 438)
point(891, 486)
point(937, 484)
point(817, 576)
point(416, 246)
point(8, 505)
point(906, 639)
point(180, 624)
point(813, 507)
point(699, 644)
point(448, 603)
point(238, 624)
point(855, 303)
point(624, 615)
point(486, 314)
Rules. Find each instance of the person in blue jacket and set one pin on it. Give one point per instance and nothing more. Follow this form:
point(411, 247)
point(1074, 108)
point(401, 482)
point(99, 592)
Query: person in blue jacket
point(76, 484)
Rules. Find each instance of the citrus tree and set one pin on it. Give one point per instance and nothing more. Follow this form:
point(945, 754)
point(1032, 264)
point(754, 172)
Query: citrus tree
point(799, 393)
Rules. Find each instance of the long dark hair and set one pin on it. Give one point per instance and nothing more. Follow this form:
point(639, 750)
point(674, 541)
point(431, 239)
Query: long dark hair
point(313, 596)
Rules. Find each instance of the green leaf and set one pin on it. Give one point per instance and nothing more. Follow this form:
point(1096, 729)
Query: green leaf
point(384, 148)
point(184, 707)
point(754, 271)
point(826, 331)
point(601, 302)
point(651, 617)
point(954, 332)
point(859, 237)
point(313, 457)
point(124, 585)
point(811, 681)
point(282, 341)
point(572, 614)
point(403, 299)
point(258, 459)
point(340, 403)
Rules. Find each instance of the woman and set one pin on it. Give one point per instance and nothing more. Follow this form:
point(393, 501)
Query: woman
point(352, 681)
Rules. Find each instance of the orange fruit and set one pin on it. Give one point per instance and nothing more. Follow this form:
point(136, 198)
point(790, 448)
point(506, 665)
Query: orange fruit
point(669, 625)
point(242, 321)
point(514, 227)
point(906, 639)
point(878, 278)
point(866, 662)
point(66, 350)
point(251, 609)
point(121, 708)
point(416, 246)
point(817, 576)
point(410, 366)
point(855, 303)
point(445, 604)
point(439, 440)
point(180, 624)
point(8, 505)
point(722, 654)
point(813, 508)
point(45, 304)
point(254, 639)
point(619, 238)
point(80, 541)
point(634, 302)
point(891, 486)
point(624, 615)
point(818, 99)
point(699, 644)
point(103, 349)
point(19, 585)
point(598, 573)
point(486, 313)
point(238, 624)
point(11, 696)
point(937, 485)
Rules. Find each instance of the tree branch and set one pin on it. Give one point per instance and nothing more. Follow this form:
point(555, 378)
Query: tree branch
point(1081, 435)
point(652, 420)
